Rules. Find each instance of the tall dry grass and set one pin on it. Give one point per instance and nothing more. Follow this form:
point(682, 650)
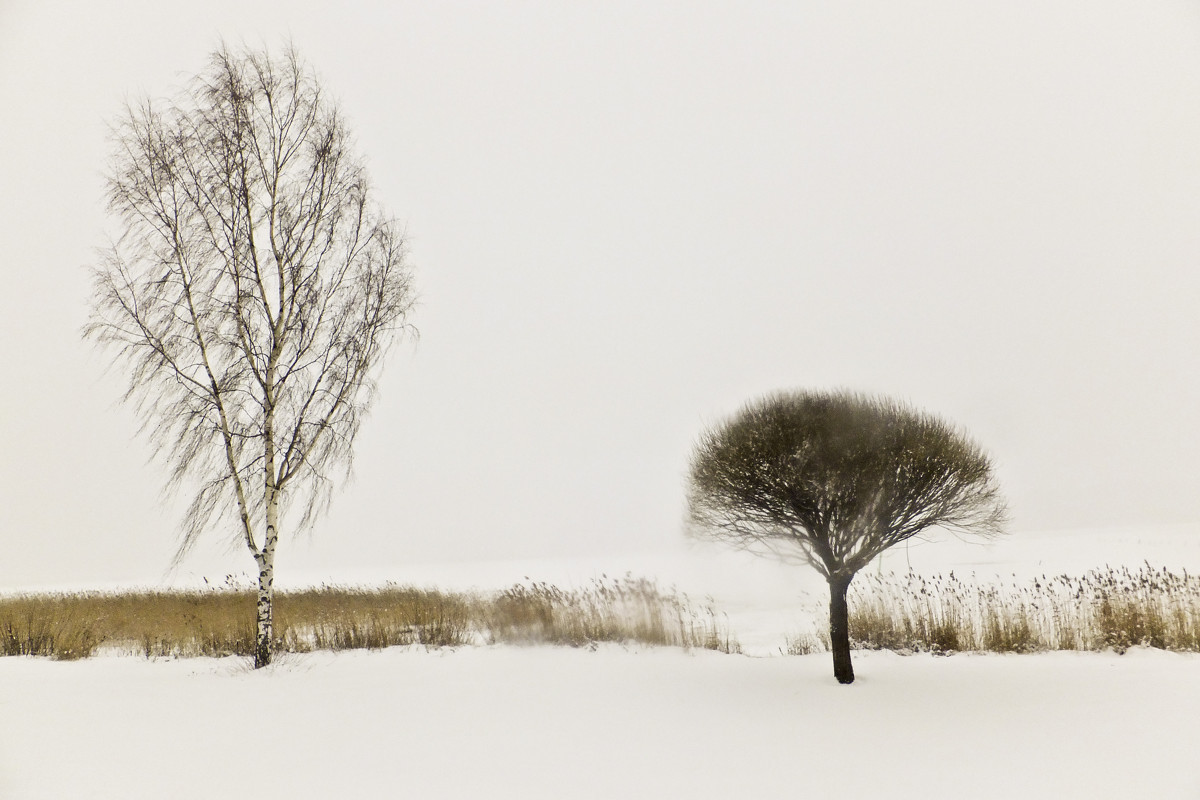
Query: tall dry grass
point(220, 622)
point(46, 625)
point(609, 610)
point(1109, 609)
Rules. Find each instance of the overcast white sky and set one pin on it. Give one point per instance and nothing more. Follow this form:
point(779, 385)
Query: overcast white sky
point(628, 218)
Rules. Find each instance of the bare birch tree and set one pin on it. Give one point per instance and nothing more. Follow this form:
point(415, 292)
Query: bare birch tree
point(251, 296)
point(832, 480)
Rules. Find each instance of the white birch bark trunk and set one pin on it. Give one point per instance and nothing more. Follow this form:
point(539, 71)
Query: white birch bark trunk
point(264, 640)
point(266, 597)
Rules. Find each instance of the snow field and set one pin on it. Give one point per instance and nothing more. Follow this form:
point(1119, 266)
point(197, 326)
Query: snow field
point(543, 722)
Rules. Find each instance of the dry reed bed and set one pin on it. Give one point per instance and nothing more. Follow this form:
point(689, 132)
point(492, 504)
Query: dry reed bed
point(221, 622)
point(1108, 609)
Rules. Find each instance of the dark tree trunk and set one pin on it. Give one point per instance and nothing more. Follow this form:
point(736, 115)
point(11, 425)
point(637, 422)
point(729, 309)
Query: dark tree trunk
point(839, 628)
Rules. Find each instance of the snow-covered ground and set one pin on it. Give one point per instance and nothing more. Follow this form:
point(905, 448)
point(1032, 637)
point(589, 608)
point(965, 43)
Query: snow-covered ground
point(562, 723)
point(542, 722)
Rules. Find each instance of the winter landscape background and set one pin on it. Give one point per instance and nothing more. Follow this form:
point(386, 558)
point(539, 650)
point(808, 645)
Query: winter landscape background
point(627, 220)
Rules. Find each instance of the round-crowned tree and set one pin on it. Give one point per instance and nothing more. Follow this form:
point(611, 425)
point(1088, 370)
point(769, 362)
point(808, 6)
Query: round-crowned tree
point(832, 479)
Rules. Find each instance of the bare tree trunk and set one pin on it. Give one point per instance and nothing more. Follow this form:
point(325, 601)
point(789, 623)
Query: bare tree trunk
point(264, 640)
point(839, 627)
point(266, 600)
